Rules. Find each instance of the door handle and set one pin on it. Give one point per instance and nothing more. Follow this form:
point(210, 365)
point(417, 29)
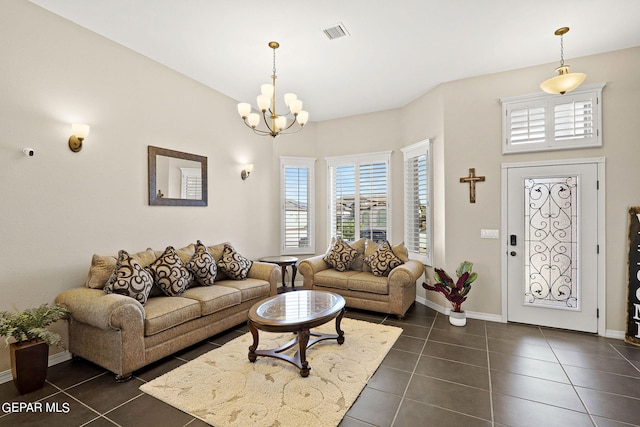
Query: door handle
point(512, 253)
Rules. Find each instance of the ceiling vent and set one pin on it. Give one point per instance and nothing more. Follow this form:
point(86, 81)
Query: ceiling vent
point(336, 31)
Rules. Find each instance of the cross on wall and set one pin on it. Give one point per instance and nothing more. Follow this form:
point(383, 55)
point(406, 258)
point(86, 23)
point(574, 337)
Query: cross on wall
point(471, 180)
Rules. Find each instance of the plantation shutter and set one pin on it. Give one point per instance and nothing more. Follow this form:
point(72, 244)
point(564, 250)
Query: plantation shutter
point(343, 207)
point(373, 201)
point(191, 184)
point(574, 119)
point(526, 123)
point(359, 197)
point(418, 206)
point(297, 205)
point(552, 122)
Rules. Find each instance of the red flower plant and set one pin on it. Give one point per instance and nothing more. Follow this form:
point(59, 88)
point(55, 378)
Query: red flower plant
point(457, 292)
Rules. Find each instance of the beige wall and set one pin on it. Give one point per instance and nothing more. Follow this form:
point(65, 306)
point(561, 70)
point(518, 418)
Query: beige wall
point(58, 208)
point(469, 135)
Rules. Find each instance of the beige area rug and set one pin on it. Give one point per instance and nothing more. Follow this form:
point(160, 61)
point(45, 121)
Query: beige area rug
point(223, 388)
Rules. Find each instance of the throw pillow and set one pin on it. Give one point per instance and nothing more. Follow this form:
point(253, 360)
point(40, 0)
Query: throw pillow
point(102, 267)
point(359, 246)
point(341, 255)
point(202, 265)
point(169, 274)
point(233, 264)
point(383, 260)
point(130, 279)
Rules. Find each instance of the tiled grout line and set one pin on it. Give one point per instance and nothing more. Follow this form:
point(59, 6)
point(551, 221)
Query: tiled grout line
point(404, 393)
point(624, 357)
point(584, 404)
point(486, 337)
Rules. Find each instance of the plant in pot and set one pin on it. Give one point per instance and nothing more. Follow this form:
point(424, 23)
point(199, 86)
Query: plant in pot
point(30, 351)
point(455, 292)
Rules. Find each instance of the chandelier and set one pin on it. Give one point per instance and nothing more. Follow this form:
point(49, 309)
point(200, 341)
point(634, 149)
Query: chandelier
point(276, 124)
point(565, 81)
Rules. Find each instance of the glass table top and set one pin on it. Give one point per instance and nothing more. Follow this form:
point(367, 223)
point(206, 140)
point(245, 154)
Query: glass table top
point(300, 306)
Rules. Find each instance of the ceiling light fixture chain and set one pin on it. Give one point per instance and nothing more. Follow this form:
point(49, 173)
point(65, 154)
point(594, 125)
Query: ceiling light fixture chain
point(275, 124)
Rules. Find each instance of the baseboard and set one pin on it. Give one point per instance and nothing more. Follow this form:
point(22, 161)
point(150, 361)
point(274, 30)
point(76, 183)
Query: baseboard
point(470, 314)
point(609, 333)
point(54, 359)
point(618, 335)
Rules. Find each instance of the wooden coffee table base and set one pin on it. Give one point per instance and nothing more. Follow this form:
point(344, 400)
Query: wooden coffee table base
point(305, 338)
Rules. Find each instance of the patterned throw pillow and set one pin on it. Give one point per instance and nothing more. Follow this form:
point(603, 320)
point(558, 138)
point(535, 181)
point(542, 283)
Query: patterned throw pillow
point(130, 279)
point(233, 264)
point(383, 260)
point(341, 255)
point(169, 274)
point(203, 266)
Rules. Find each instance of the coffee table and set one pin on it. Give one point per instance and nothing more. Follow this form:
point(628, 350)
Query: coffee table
point(296, 312)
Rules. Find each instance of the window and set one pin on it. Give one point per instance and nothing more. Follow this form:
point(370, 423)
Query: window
point(191, 184)
point(297, 196)
point(418, 208)
point(551, 122)
point(359, 196)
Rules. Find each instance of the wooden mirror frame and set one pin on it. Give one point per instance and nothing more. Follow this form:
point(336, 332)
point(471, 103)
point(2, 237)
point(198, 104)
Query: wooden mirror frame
point(154, 200)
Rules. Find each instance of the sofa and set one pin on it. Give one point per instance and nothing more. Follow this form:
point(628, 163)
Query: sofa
point(195, 292)
point(370, 276)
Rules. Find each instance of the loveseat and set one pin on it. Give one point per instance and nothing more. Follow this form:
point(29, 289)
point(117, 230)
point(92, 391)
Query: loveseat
point(115, 326)
point(346, 269)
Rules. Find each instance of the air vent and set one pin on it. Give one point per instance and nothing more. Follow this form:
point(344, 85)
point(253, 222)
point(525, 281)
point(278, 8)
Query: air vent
point(336, 31)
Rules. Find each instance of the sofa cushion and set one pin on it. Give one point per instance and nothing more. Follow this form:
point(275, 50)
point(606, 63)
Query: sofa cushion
point(334, 279)
point(341, 255)
point(383, 260)
point(202, 265)
point(162, 313)
point(249, 288)
point(358, 245)
point(213, 298)
point(102, 267)
point(367, 282)
point(169, 274)
point(129, 278)
point(234, 265)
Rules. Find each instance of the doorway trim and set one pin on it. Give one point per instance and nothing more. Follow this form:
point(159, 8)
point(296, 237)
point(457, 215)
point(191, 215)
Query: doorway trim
point(602, 256)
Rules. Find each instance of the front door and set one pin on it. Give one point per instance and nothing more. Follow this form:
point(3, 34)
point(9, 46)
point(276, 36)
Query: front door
point(552, 245)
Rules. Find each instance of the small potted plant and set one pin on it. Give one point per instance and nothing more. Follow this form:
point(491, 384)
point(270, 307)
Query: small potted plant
point(30, 351)
point(456, 293)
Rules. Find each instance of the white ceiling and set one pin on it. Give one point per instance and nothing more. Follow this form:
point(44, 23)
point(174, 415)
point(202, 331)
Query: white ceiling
point(396, 51)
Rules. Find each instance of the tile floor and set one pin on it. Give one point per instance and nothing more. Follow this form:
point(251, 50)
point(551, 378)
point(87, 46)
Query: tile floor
point(485, 374)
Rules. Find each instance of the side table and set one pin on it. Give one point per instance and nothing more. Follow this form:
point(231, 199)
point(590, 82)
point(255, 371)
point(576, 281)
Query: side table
point(283, 262)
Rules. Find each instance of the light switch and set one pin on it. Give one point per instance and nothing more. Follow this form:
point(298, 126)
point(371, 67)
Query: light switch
point(489, 234)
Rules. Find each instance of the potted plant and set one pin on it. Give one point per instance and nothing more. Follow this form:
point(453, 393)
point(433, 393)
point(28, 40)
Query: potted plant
point(30, 351)
point(456, 293)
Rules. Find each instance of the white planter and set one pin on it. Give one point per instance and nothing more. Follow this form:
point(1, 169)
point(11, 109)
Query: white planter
point(458, 318)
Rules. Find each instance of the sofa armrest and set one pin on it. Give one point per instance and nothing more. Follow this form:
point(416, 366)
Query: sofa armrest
point(406, 274)
point(101, 310)
point(266, 271)
point(310, 266)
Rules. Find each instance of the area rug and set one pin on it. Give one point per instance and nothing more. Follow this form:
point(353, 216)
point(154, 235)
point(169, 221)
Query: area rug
point(223, 388)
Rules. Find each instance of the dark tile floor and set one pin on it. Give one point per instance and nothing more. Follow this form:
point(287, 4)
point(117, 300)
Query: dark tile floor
point(485, 374)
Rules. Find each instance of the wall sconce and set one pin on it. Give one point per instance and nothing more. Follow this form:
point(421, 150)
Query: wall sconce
point(80, 132)
point(248, 168)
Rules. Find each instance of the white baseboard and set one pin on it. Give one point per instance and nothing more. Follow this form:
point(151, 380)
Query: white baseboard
point(609, 333)
point(470, 314)
point(54, 359)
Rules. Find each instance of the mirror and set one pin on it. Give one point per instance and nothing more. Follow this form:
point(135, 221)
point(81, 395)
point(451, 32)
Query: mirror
point(177, 178)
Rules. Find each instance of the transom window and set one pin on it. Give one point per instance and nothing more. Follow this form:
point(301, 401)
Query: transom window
point(552, 122)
